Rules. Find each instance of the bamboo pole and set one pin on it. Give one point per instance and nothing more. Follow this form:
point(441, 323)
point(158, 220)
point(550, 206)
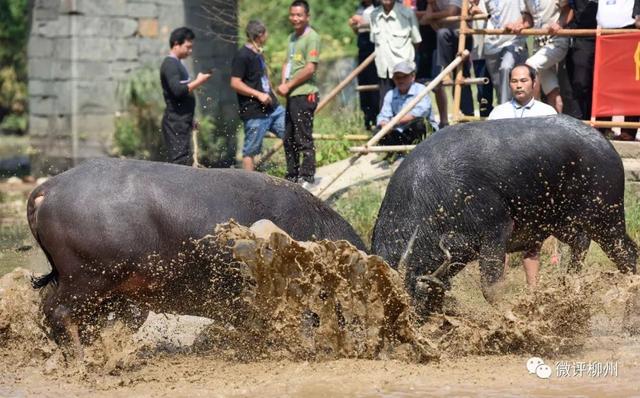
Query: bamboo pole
point(383, 148)
point(462, 40)
point(465, 82)
point(336, 90)
point(592, 123)
point(332, 137)
point(406, 109)
point(460, 18)
point(544, 32)
point(609, 124)
point(269, 154)
point(408, 148)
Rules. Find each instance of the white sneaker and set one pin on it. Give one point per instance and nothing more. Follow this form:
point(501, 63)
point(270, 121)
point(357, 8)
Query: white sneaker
point(311, 185)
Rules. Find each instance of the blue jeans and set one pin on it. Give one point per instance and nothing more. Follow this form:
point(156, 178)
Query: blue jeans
point(255, 130)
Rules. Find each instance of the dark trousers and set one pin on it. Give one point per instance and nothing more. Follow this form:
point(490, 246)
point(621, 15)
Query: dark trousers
point(447, 49)
point(580, 64)
point(369, 100)
point(176, 130)
point(485, 91)
point(298, 137)
point(412, 133)
point(426, 54)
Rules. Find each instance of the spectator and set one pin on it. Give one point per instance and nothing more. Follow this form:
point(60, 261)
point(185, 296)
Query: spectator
point(621, 14)
point(257, 104)
point(426, 59)
point(523, 104)
point(484, 91)
point(551, 15)
point(448, 34)
point(369, 100)
point(581, 55)
point(394, 32)
point(177, 89)
point(411, 128)
point(426, 51)
point(299, 86)
point(503, 52)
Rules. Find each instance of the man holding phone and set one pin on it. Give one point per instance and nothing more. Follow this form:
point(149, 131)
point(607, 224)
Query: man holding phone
point(177, 89)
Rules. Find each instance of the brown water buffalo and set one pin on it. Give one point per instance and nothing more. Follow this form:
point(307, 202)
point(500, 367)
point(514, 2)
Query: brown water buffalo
point(123, 231)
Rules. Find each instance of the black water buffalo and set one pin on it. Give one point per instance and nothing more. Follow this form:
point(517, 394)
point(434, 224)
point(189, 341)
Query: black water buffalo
point(477, 191)
point(125, 229)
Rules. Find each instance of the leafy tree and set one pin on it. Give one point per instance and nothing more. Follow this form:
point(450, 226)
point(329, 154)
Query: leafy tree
point(14, 35)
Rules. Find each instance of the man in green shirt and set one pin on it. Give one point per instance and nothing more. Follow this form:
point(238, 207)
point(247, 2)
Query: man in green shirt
point(298, 85)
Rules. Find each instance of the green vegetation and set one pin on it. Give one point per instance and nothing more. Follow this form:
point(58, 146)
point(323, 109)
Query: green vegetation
point(14, 35)
point(328, 17)
point(137, 131)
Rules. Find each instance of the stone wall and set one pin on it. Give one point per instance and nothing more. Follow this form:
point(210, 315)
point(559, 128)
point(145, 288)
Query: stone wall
point(80, 50)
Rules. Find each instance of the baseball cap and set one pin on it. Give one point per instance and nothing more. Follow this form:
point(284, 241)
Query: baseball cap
point(406, 67)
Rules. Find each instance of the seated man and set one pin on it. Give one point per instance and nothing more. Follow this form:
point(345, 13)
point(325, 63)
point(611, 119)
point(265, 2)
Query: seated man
point(411, 128)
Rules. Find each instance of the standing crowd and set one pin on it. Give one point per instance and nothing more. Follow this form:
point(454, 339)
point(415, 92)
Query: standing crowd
point(414, 41)
point(414, 31)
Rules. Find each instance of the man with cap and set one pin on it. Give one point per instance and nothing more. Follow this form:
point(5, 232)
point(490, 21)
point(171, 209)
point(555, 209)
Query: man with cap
point(411, 128)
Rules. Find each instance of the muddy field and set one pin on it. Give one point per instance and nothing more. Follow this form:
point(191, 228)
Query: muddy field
point(323, 319)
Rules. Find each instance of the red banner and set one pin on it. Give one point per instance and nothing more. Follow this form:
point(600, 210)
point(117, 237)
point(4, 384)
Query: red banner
point(616, 79)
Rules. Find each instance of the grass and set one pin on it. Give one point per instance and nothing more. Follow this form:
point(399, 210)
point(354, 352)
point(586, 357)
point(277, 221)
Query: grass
point(359, 206)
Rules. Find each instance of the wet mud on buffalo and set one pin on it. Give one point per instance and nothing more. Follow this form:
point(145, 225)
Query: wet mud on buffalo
point(479, 190)
point(123, 233)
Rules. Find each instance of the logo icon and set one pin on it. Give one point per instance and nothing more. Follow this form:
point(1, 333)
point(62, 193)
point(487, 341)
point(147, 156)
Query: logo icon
point(536, 365)
point(636, 59)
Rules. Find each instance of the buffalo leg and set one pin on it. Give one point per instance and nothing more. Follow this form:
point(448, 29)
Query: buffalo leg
point(579, 244)
point(60, 318)
point(622, 251)
point(492, 256)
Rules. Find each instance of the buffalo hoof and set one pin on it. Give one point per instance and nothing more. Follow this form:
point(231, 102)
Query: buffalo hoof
point(492, 292)
point(429, 295)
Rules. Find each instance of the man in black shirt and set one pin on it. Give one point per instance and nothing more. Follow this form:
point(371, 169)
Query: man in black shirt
point(258, 106)
point(177, 89)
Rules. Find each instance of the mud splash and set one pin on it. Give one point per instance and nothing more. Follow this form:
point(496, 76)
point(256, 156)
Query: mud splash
point(318, 301)
point(21, 326)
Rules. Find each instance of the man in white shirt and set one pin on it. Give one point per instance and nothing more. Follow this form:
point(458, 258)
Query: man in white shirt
point(395, 33)
point(522, 104)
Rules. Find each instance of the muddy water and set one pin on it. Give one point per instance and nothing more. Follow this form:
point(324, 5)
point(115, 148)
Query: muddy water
point(323, 319)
